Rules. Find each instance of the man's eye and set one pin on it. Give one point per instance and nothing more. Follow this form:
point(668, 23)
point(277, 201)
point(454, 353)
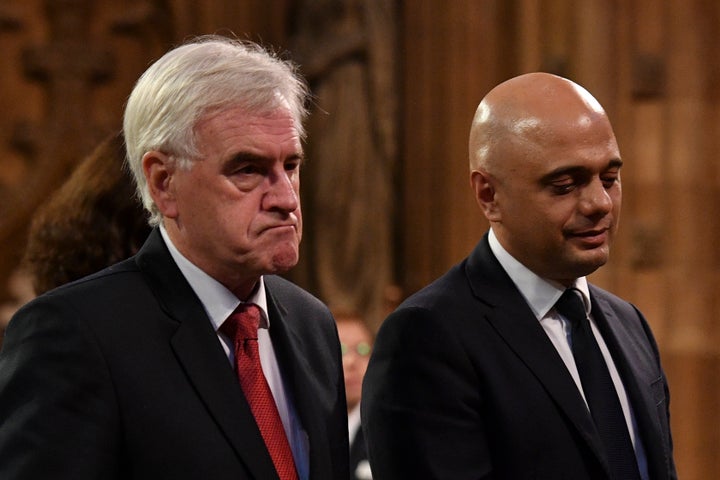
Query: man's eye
point(563, 188)
point(247, 170)
point(290, 166)
point(610, 181)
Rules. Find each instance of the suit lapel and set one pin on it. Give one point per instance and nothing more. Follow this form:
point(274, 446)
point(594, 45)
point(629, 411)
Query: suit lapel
point(513, 320)
point(628, 354)
point(201, 357)
point(299, 380)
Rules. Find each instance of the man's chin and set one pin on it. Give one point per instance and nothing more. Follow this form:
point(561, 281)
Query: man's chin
point(283, 262)
point(588, 262)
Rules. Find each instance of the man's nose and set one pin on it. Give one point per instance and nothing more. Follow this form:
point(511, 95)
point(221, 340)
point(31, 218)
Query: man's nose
point(281, 193)
point(595, 198)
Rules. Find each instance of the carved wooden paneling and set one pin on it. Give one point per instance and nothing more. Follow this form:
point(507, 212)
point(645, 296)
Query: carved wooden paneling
point(639, 259)
point(348, 54)
point(691, 229)
point(51, 130)
point(453, 53)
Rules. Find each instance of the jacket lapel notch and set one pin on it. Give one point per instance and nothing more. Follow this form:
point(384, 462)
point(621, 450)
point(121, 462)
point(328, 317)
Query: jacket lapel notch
point(201, 357)
point(512, 318)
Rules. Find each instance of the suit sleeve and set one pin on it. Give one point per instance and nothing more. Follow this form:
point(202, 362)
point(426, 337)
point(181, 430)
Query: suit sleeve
point(663, 405)
point(421, 403)
point(58, 416)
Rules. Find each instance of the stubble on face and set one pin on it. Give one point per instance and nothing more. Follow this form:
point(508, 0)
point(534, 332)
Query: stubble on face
point(559, 235)
point(286, 247)
point(239, 215)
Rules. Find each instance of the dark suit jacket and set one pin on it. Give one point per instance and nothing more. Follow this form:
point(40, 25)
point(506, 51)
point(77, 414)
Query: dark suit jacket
point(463, 383)
point(120, 375)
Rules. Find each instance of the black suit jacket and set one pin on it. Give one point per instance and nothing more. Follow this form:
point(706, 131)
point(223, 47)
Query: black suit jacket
point(120, 375)
point(463, 383)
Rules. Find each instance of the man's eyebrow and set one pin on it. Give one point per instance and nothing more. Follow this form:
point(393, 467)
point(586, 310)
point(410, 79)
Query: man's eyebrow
point(577, 169)
point(248, 157)
point(299, 156)
point(253, 158)
point(614, 163)
point(240, 158)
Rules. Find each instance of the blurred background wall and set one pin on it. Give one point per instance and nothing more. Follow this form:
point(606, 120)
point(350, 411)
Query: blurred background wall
point(386, 196)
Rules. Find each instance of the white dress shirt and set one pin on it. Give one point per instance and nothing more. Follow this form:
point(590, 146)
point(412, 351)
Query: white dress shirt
point(219, 303)
point(353, 422)
point(541, 295)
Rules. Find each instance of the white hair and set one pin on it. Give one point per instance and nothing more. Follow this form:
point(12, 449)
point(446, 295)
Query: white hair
point(208, 75)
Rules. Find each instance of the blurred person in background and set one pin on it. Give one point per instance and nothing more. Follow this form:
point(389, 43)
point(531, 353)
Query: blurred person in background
point(356, 342)
point(91, 222)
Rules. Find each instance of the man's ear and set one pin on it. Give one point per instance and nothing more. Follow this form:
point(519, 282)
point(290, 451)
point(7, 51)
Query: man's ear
point(159, 169)
point(483, 184)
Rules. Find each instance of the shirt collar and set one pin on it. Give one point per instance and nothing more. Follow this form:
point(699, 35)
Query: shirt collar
point(539, 293)
point(217, 300)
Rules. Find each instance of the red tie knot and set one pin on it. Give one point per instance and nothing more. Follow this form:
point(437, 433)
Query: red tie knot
point(243, 323)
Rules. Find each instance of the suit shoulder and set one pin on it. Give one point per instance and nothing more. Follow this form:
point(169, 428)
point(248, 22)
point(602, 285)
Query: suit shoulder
point(613, 300)
point(79, 306)
point(626, 313)
point(601, 292)
point(442, 292)
point(97, 280)
point(288, 292)
point(113, 285)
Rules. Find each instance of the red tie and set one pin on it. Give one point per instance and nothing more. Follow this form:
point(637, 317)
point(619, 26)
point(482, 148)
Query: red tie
point(242, 327)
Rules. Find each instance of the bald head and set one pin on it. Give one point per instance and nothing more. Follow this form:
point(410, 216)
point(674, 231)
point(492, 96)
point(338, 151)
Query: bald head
point(525, 110)
point(545, 169)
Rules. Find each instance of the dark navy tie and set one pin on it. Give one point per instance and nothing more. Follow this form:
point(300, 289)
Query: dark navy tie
point(600, 393)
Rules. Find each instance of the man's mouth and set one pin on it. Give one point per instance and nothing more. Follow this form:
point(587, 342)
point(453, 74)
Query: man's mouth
point(591, 238)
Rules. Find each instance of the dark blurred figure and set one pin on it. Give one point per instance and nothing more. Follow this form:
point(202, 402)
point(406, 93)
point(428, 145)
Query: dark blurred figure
point(91, 222)
point(356, 341)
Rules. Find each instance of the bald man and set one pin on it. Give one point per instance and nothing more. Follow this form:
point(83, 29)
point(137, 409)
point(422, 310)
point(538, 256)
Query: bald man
point(480, 374)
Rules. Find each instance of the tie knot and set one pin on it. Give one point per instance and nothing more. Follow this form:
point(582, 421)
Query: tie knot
point(243, 323)
point(571, 306)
